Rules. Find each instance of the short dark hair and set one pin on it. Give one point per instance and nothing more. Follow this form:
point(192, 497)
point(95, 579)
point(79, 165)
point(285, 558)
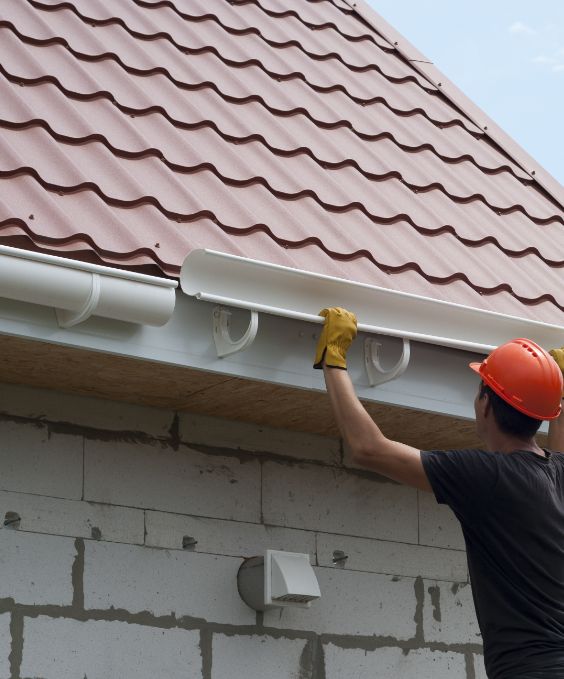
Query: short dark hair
point(510, 420)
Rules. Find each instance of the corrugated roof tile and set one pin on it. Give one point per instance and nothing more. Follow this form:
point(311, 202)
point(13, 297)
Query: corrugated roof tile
point(135, 131)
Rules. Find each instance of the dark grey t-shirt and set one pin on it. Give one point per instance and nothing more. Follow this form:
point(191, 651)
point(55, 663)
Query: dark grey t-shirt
point(511, 509)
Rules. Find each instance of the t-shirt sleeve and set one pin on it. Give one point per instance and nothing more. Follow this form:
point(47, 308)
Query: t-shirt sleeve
point(462, 479)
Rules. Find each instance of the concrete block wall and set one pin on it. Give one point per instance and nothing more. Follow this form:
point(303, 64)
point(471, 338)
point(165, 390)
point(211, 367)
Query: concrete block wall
point(133, 523)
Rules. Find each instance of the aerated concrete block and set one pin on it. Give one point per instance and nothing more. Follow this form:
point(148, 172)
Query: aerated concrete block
point(479, 668)
point(256, 657)
point(438, 526)
point(163, 583)
point(74, 518)
point(338, 501)
point(392, 663)
point(183, 481)
point(395, 558)
point(5, 646)
point(449, 615)
point(232, 538)
point(67, 649)
point(359, 604)
point(97, 413)
point(36, 569)
point(212, 431)
point(32, 461)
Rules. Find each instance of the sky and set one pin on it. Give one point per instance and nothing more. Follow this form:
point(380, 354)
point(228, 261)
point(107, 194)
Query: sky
point(505, 55)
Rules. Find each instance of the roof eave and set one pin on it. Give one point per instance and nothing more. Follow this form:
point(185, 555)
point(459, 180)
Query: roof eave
point(283, 291)
point(78, 290)
point(437, 379)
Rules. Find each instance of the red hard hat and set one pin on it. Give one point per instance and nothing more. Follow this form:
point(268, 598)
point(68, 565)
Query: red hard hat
point(525, 376)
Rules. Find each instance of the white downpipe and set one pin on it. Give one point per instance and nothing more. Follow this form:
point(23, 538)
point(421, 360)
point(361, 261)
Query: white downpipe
point(78, 290)
point(283, 291)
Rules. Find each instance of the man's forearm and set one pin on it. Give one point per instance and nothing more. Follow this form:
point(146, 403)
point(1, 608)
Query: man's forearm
point(357, 428)
point(367, 444)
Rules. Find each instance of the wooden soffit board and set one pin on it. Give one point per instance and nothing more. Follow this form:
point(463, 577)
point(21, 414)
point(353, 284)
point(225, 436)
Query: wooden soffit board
point(90, 373)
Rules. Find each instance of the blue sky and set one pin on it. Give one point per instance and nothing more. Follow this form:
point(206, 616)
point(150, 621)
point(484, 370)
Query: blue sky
point(506, 55)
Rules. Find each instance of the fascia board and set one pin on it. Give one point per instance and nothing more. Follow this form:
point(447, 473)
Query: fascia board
point(437, 380)
point(283, 291)
point(474, 113)
point(77, 290)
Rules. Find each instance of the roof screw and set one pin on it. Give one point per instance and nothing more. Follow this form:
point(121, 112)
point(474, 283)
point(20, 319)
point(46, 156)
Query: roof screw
point(188, 542)
point(339, 557)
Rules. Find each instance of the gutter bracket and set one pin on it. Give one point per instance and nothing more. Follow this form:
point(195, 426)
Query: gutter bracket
point(376, 374)
point(224, 345)
point(67, 319)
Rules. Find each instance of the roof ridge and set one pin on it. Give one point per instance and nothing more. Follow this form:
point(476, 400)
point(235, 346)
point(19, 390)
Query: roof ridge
point(474, 113)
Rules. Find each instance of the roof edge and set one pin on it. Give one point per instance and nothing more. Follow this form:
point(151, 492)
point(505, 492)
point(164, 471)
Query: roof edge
point(251, 284)
point(491, 129)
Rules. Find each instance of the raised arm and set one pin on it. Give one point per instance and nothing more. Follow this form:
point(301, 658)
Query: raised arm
point(366, 442)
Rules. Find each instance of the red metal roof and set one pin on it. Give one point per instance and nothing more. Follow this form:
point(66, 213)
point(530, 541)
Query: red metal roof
point(134, 131)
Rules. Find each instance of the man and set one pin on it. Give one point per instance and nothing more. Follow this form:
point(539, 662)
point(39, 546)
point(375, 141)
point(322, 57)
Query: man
point(508, 496)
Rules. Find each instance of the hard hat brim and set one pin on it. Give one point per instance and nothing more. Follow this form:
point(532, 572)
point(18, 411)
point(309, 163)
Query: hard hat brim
point(475, 367)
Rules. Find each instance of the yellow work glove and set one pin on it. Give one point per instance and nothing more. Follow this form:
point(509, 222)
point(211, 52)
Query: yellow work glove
point(336, 337)
point(558, 356)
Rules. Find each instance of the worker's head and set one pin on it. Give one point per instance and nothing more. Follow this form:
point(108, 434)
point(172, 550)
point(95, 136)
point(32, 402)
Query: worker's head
point(521, 386)
point(492, 411)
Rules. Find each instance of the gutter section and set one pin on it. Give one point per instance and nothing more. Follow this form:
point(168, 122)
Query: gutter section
point(235, 281)
point(78, 290)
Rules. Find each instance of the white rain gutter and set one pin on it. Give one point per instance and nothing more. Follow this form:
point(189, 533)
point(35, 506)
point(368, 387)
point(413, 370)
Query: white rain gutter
point(273, 289)
point(78, 290)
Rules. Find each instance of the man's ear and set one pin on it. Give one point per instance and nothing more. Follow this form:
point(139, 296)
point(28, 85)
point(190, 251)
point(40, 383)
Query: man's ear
point(487, 404)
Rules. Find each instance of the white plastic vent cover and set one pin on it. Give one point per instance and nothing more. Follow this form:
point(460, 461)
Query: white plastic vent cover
point(290, 579)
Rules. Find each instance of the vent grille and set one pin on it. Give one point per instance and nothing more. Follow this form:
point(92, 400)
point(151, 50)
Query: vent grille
point(295, 598)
